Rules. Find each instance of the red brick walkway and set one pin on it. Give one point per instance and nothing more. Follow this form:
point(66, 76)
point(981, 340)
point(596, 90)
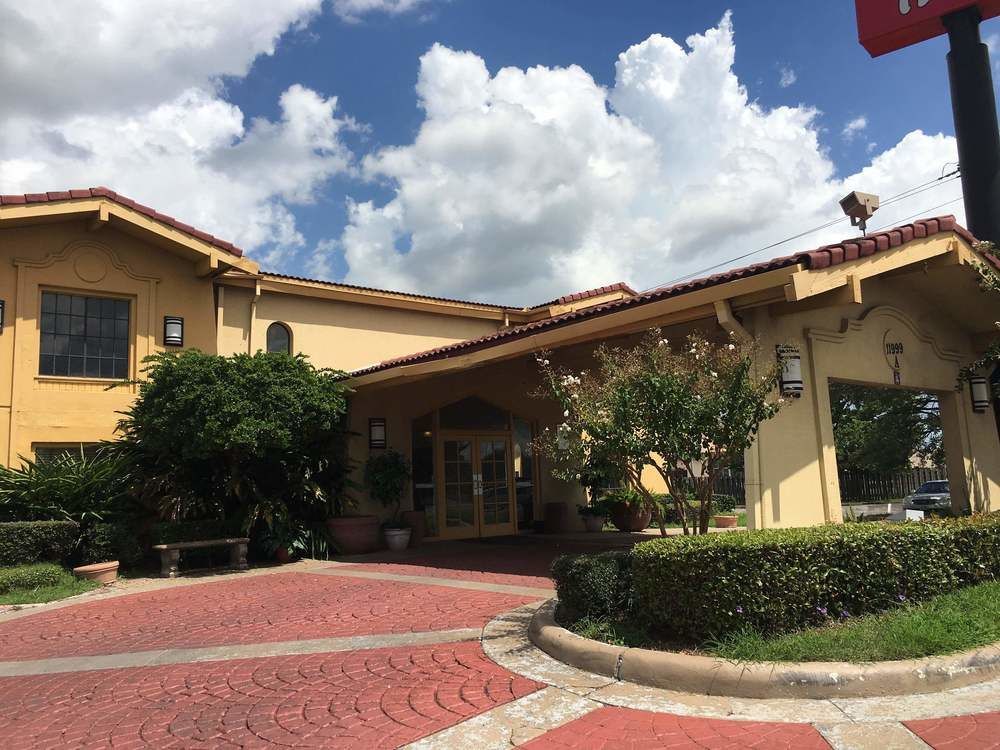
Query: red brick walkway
point(480, 576)
point(975, 732)
point(251, 609)
point(380, 698)
point(628, 729)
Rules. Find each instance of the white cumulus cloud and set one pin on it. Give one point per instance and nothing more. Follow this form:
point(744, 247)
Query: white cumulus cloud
point(854, 128)
point(141, 108)
point(786, 76)
point(526, 184)
point(353, 10)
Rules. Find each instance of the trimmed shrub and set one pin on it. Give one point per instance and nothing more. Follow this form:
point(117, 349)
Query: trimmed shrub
point(597, 585)
point(695, 588)
point(723, 504)
point(27, 577)
point(102, 542)
point(36, 541)
point(977, 539)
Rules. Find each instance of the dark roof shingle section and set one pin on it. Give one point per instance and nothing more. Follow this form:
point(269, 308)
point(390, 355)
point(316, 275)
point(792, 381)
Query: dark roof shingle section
point(821, 257)
point(103, 192)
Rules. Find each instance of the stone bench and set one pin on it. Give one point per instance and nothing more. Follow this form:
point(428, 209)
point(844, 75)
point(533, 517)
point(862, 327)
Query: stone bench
point(170, 554)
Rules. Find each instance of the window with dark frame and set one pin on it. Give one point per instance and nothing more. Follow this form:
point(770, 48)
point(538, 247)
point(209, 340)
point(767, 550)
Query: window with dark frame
point(84, 336)
point(279, 339)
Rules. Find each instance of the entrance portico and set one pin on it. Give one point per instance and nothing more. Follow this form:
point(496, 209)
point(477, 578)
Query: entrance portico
point(900, 308)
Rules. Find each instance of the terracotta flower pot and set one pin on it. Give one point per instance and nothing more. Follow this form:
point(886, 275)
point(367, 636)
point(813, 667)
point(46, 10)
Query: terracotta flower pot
point(354, 535)
point(629, 518)
point(397, 539)
point(725, 521)
point(282, 555)
point(593, 523)
point(104, 572)
point(418, 525)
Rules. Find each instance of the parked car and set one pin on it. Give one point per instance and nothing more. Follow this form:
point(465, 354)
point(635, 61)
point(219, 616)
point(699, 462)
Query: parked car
point(930, 497)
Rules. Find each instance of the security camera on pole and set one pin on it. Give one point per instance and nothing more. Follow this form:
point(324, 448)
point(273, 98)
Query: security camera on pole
point(888, 25)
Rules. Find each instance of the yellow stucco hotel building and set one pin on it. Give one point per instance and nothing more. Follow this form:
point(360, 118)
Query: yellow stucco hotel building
point(92, 282)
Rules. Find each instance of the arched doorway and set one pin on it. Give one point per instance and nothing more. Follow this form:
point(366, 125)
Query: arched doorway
point(474, 470)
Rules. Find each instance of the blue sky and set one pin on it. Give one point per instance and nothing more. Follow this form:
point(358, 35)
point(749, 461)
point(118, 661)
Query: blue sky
point(204, 126)
point(817, 41)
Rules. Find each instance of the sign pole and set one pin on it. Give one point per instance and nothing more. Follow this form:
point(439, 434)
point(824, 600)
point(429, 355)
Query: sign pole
point(974, 107)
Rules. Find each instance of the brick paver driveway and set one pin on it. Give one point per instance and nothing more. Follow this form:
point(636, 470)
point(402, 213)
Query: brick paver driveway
point(377, 653)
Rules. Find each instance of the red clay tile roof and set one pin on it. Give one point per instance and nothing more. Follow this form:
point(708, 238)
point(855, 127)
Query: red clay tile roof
point(103, 192)
point(822, 257)
point(386, 291)
point(620, 286)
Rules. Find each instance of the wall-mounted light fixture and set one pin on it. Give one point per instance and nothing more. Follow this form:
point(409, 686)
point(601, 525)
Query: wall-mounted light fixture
point(791, 370)
point(173, 330)
point(376, 432)
point(980, 393)
point(2, 310)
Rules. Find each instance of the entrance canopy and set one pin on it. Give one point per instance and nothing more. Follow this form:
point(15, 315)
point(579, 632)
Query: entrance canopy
point(914, 288)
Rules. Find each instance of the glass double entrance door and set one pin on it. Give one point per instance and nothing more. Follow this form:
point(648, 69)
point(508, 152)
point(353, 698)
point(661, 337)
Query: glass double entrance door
point(477, 486)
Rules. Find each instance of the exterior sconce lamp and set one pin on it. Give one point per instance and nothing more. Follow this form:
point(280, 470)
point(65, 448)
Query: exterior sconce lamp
point(173, 330)
point(376, 432)
point(980, 393)
point(791, 371)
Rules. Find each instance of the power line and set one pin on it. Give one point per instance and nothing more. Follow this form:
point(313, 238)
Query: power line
point(908, 193)
point(924, 212)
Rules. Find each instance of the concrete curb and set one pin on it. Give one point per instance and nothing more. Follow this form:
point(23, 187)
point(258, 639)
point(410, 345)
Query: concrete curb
point(708, 675)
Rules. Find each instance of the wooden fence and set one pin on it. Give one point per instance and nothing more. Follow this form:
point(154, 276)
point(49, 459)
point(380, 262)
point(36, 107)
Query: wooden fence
point(856, 485)
point(859, 486)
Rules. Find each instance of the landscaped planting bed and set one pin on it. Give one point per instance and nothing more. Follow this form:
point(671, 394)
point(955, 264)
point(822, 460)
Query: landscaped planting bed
point(40, 582)
point(727, 589)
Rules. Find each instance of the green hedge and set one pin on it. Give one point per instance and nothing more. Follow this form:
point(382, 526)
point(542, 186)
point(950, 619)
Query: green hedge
point(103, 542)
point(693, 588)
point(597, 585)
point(36, 541)
point(27, 577)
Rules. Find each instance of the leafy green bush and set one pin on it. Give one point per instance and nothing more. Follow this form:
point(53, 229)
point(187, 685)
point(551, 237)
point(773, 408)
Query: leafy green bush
point(33, 576)
point(597, 585)
point(101, 542)
point(723, 504)
point(70, 486)
point(34, 541)
point(779, 580)
point(251, 437)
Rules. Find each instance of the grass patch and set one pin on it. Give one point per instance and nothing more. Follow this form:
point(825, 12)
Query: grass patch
point(65, 585)
point(946, 624)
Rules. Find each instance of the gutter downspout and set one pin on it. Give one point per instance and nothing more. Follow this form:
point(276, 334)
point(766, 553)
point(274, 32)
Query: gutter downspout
point(253, 316)
point(756, 518)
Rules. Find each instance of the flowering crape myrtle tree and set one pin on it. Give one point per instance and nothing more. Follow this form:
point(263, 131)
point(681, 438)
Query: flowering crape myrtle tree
point(688, 411)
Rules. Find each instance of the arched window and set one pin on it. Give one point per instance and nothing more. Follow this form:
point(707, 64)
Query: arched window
point(279, 339)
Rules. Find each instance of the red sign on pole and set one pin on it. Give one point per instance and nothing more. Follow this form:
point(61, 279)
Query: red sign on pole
point(888, 25)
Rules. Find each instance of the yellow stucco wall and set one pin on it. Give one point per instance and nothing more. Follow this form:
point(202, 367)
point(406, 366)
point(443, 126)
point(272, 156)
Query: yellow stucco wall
point(66, 256)
point(345, 335)
point(794, 461)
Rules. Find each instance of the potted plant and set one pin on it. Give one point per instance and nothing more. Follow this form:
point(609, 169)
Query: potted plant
point(724, 506)
point(285, 540)
point(628, 510)
point(350, 533)
point(593, 515)
point(386, 475)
